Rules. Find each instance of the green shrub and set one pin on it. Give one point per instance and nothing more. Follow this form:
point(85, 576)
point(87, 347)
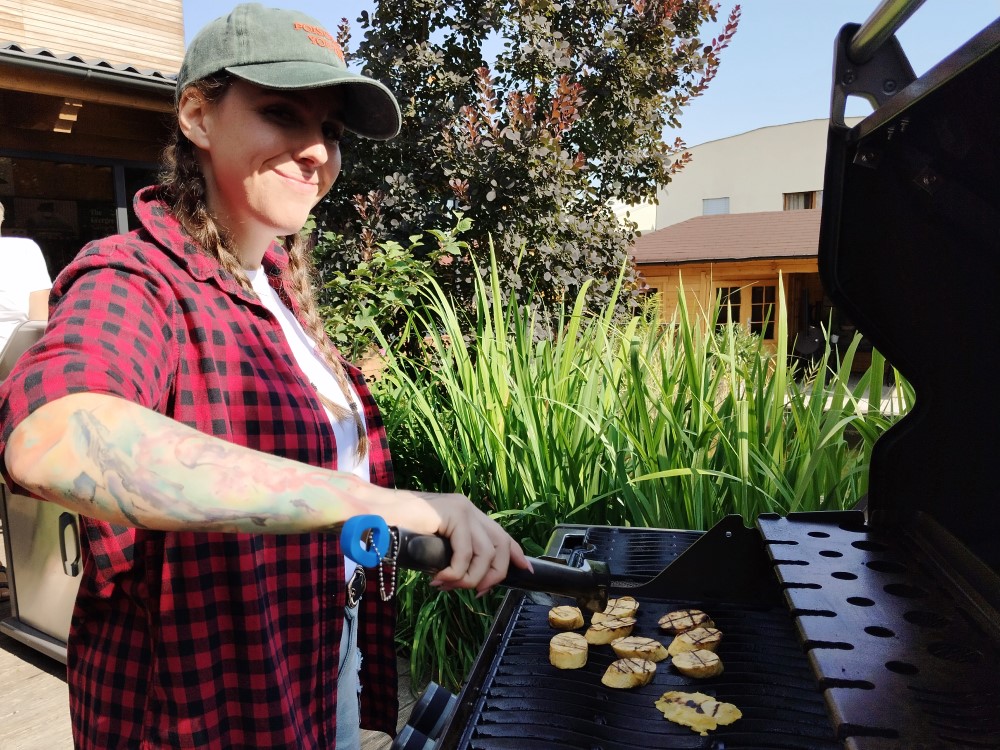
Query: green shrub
point(378, 293)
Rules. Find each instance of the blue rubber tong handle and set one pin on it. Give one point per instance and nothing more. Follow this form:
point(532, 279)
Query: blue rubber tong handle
point(352, 534)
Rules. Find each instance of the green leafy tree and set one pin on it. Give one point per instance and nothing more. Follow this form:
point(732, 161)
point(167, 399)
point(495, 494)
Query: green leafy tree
point(534, 145)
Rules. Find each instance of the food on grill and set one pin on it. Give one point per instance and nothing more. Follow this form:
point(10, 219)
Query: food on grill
point(701, 663)
point(696, 710)
point(692, 640)
point(609, 630)
point(568, 651)
point(566, 617)
point(638, 647)
point(683, 620)
point(624, 606)
point(629, 673)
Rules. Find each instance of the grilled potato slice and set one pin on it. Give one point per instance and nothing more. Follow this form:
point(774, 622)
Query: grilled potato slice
point(609, 630)
point(637, 647)
point(565, 617)
point(700, 663)
point(698, 711)
point(682, 620)
point(568, 651)
point(692, 640)
point(629, 673)
point(623, 606)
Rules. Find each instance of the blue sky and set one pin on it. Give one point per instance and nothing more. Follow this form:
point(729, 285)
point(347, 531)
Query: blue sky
point(778, 67)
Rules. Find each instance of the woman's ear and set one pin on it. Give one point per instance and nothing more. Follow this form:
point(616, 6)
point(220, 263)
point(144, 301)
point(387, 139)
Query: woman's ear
point(192, 110)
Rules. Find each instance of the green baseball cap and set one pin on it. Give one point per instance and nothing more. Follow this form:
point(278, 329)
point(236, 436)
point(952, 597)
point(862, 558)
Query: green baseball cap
point(284, 49)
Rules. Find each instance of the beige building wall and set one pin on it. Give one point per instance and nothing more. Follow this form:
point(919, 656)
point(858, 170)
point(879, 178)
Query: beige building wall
point(643, 214)
point(754, 170)
point(148, 35)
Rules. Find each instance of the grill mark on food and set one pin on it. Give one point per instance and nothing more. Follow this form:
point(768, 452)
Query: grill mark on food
point(628, 665)
point(682, 620)
point(614, 623)
point(698, 657)
point(701, 635)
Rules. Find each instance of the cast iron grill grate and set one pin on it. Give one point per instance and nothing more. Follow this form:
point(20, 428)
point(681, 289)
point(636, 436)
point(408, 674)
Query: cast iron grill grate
point(766, 675)
point(521, 701)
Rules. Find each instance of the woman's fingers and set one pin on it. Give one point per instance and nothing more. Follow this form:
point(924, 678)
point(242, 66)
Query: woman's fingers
point(472, 553)
point(481, 550)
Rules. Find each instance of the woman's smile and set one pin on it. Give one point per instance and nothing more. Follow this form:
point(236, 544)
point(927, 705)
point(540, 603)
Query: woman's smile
point(307, 185)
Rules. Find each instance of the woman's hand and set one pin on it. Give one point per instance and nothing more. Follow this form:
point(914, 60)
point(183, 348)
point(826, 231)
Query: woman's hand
point(481, 550)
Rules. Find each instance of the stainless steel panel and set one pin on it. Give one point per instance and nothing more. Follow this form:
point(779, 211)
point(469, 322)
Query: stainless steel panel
point(44, 554)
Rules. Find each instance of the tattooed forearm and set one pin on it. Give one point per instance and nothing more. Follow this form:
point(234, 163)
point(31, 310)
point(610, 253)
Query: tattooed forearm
point(114, 460)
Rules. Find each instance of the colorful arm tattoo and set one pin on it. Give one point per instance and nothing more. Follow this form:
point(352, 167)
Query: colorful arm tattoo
point(110, 459)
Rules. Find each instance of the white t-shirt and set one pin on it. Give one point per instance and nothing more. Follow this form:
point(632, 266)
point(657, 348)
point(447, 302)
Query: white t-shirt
point(311, 363)
point(22, 271)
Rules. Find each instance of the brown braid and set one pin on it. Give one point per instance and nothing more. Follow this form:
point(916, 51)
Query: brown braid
point(183, 186)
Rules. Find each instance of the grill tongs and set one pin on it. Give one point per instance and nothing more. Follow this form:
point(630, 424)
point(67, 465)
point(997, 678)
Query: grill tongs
point(587, 581)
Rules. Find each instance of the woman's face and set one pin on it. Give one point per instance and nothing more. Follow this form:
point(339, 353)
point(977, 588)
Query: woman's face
point(268, 157)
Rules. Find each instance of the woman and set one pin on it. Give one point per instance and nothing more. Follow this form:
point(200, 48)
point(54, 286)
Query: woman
point(185, 401)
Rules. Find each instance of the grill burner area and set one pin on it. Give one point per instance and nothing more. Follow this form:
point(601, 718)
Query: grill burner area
point(516, 699)
point(766, 675)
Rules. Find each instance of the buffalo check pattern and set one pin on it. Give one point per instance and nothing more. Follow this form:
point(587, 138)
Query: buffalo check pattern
point(201, 640)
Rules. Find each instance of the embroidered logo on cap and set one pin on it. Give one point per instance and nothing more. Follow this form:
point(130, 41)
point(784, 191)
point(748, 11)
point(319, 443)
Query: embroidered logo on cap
point(321, 38)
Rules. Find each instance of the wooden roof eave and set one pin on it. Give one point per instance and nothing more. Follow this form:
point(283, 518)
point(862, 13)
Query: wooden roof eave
point(718, 259)
point(44, 73)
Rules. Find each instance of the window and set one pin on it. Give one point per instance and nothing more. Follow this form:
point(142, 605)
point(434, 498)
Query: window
point(729, 305)
point(762, 299)
point(62, 205)
point(757, 314)
point(808, 199)
point(713, 206)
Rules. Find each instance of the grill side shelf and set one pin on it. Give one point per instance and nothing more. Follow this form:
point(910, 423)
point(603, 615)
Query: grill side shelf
point(902, 659)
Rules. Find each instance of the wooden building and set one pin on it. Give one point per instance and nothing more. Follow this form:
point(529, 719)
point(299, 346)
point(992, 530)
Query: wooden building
point(86, 92)
point(737, 259)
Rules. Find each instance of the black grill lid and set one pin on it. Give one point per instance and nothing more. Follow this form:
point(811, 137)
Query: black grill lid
point(910, 251)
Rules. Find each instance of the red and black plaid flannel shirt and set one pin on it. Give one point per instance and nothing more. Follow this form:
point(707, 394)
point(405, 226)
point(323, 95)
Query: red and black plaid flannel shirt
point(184, 639)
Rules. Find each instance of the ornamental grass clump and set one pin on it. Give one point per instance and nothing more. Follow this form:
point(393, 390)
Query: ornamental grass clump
point(596, 422)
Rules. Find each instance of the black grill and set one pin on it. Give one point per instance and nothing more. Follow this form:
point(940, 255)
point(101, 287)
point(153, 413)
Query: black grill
point(834, 636)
